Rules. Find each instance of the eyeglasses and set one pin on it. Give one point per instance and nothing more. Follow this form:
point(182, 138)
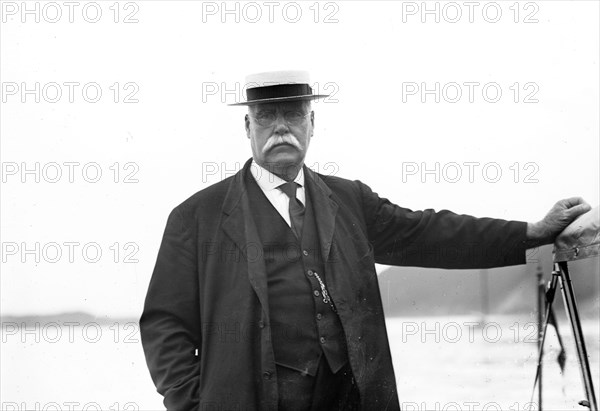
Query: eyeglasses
point(268, 118)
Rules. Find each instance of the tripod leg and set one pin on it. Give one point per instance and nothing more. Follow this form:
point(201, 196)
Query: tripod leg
point(541, 300)
point(549, 300)
point(571, 308)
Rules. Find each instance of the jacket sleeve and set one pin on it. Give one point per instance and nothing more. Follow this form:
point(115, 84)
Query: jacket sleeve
point(440, 239)
point(170, 323)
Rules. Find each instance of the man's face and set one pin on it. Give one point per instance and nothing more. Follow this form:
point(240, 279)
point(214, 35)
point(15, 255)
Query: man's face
point(279, 134)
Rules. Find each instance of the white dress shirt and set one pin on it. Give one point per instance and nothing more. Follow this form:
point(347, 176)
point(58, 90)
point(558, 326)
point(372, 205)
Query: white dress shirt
point(268, 183)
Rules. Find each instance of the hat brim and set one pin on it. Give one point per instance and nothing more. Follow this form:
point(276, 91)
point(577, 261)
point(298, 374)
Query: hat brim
point(280, 99)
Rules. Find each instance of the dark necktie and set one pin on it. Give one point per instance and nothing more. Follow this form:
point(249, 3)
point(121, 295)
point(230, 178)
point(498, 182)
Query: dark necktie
point(296, 207)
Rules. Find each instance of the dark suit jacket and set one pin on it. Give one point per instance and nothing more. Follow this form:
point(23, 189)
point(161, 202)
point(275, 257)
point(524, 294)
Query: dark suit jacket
point(209, 288)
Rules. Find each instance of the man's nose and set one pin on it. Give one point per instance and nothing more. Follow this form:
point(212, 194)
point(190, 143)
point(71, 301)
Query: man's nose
point(281, 126)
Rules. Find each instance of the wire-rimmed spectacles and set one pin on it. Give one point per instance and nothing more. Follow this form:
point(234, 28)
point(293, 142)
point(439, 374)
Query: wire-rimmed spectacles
point(268, 118)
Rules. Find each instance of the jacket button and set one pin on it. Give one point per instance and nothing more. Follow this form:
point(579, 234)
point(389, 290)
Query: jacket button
point(319, 316)
point(316, 293)
point(305, 253)
point(267, 375)
point(261, 324)
point(310, 273)
point(322, 340)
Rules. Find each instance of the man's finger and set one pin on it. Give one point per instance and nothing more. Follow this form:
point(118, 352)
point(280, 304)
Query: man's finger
point(578, 210)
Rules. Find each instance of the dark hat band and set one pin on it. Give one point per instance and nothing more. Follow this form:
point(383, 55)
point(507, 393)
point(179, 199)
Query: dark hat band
point(278, 91)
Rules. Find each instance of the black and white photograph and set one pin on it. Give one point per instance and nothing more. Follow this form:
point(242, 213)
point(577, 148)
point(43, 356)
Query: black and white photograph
point(300, 205)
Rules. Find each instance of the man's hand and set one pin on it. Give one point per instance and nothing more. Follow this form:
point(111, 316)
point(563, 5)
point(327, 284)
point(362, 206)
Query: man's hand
point(558, 218)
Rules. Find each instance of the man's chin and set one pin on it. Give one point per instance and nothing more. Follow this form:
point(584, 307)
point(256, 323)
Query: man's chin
point(284, 159)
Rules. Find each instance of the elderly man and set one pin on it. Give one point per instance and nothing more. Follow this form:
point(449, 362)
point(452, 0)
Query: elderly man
point(264, 295)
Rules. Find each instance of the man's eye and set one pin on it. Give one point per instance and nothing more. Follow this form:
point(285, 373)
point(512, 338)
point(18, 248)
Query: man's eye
point(293, 115)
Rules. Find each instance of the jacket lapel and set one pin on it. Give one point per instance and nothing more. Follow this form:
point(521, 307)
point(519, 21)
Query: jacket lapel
point(325, 210)
point(239, 225)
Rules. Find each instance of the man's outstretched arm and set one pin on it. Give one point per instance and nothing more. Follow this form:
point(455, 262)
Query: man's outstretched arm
point(444, 239)
point(170, 323)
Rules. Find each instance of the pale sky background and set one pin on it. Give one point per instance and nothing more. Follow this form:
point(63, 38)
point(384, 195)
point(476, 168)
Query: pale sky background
point(174, 134)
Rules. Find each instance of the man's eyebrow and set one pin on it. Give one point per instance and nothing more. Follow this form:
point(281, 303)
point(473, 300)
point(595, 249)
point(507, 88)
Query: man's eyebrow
point(265, 110)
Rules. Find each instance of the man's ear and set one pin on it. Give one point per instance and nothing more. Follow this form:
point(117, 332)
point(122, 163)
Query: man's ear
point(312, 123)
point(247, 123)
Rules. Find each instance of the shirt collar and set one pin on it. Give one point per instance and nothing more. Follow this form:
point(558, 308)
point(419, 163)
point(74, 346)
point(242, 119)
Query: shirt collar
point(269, 181)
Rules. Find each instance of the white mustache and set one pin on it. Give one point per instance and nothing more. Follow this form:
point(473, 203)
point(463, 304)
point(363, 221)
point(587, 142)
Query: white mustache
point(285, 139)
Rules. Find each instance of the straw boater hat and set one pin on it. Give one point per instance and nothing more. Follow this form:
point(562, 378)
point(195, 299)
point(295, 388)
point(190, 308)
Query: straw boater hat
point(277, 87)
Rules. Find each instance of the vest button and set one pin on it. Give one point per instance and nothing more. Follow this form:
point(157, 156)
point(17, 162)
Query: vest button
point(267, 375)
point(310, 273)
point(261, 324)
point(316, 293)
point(305, 253)
point(319, 316)
point(322, 340)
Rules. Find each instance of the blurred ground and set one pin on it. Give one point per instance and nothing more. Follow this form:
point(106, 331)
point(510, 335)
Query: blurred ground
point(441, 363)
point(462, 363)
